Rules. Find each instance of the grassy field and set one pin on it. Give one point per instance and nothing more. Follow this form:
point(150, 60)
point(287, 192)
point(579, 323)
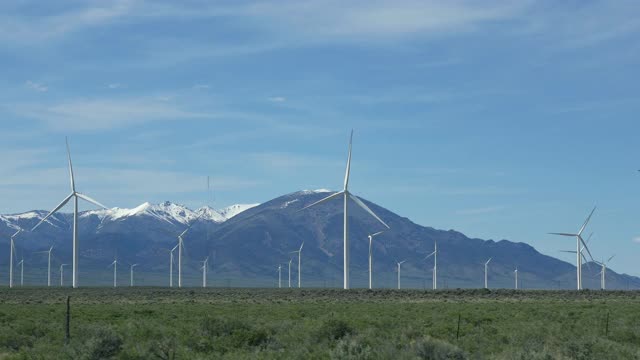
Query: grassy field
point(155, 323)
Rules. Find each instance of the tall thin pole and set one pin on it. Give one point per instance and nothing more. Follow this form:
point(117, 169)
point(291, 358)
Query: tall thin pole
point(279, 276)
point(486, 283)
point(11, 247)
point(179, 261)
point(21, 272)
point(578, 264)
point(290, 260)
point(516, 278)
point(399, 276)
point(435, 266)
point(115, 273)
point(370, 262)
point(346, 240)
point(299, 269)
point(75, 241)
point(49, 269)
point(171, 268)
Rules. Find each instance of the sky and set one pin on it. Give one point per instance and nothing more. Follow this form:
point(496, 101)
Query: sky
point(499, 119)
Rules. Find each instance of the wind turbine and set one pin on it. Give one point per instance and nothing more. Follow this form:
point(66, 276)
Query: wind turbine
point(399, 265)
point(371, 236)
point(131, 270)
point(435, 264)
point(516, 273)
point(181, 246)
point(579, 240)
point(299, 252)
point(12, 250)
point(346, 195)
point(290, 261)
point(48, 264)
point(62, 274)
point(21, 263)
point(486, 268)
point(204, 272)
point(115, 272)
point(279, 276)
point(75, 195)
point(603, 273)
point(171, 265)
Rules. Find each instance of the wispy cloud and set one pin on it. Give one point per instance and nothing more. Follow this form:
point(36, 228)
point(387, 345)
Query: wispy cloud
point(636, 239)
point(277, 99)
point(105, 113)
point(36, 86)
point(114, 86)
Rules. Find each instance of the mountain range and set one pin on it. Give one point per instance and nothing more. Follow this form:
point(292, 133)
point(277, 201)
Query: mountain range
point(246, 243)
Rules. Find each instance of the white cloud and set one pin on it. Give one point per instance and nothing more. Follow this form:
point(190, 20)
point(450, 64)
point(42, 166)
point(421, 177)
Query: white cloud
point(114, 86)
point(636, 239)
point(201, 87)
point(36, 86)
point(104, 114)
point(277, 99)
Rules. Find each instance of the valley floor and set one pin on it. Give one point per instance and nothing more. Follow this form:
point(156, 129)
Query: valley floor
point(214, 323)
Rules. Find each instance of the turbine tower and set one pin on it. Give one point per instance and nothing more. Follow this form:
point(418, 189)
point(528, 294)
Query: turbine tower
point(12, 251)
point(131, 270)
point(62, 273)
point(371, 236)
point(181, 247)
point(115, 272)
point(299, 252)
point(435, 265)
point(279, 276)
point(205, 264)
point(290, 261)
point(48, 264)
point(171, 265)
point(486, 270)
point(21, 263)
point(346, 195)
point(579, 240)
point(603, 273)
point(399, 267)
point(75, 196)
point(516, 274)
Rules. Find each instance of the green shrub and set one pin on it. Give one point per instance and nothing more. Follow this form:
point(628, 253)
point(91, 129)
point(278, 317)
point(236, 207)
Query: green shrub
point(334, 329)
point(429, 348)
point(351, 348)
point(102, 342)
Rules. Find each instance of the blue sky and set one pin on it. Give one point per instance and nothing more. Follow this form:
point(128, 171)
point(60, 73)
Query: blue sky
point(499, 119)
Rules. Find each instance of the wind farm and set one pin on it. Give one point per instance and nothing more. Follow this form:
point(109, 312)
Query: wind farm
point(327, 180)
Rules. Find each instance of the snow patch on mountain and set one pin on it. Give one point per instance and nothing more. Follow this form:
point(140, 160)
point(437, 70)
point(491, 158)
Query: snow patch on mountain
point(234, 210)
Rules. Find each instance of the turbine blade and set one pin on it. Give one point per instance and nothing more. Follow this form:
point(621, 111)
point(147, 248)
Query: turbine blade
point(86, 198)
point(587, 221)
point(301, 246)
point(612, 256)
point(563, 234)
point(488, 261)
point(378, 233)
point(430, 255)
point(63, 203)
point(348, 171)
point(366, 208)
point(568, 251)
point(586, 247)
point(323, 200)
point(73, 183)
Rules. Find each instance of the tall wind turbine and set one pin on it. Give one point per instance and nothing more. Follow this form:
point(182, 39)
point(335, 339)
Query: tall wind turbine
point(62, 273)
point(131, 270)
point(399, 267)
point(21, 263)
point(486, 270)
point(516, 274)
point(115, 272)
point(181, 247)
point(75, 195)
point(205, 265)
point(290, 261)
point(299, 252)
point(171, 265)
point(435, 265)
point(12, 251)
point(371, 236)
point(579, 240)
point(48, 264)
point(279, 276)
point(603, 273)
point(346, 195)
